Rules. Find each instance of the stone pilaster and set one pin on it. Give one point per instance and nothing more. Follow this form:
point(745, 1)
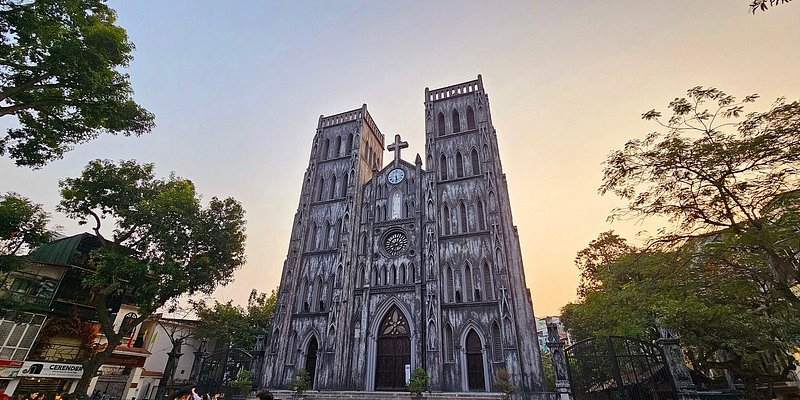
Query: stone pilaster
point(556, 346)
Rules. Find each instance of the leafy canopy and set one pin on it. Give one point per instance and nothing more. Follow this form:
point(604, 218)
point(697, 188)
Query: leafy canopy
point(23, 226)
point(715, 309)
point(714, 169)
point(60, 77)
point(234, 324)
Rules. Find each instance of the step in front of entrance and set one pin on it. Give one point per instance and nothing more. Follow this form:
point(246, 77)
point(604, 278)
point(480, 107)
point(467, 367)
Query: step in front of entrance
point(313, 395)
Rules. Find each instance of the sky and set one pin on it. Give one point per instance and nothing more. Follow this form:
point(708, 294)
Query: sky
point(237, 88)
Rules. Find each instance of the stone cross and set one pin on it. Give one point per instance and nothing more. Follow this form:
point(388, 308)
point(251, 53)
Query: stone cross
point(395, 147)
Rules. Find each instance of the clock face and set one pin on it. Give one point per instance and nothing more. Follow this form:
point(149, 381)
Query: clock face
point(396, 176)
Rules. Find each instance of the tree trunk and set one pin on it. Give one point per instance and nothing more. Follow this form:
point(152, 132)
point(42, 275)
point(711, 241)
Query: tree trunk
point(169, 370)
point(91, 366)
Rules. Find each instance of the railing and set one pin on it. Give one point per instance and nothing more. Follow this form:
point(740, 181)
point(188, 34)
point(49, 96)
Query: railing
point(41, 303)
point(455, 90)
point(56, 352)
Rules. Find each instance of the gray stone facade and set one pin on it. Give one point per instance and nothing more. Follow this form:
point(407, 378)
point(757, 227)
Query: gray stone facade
point(392, 266)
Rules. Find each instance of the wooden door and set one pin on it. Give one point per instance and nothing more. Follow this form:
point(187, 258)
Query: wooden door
point(475, 377)
point(393, 352)
point(311, 359)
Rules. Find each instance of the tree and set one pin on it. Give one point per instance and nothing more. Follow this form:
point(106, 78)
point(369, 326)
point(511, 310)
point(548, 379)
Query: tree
point(716, 310)
point(236, 325)
point(164, 244)
point(719, 176)
point(23, 226)
point(601, 252)
point(763, 5)
point(60, 77)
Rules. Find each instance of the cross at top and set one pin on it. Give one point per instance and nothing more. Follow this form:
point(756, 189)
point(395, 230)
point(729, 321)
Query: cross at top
point(395, 147)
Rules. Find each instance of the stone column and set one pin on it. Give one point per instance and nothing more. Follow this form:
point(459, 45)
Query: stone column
point(676, 364)
point(556, 347)
point(258, 361)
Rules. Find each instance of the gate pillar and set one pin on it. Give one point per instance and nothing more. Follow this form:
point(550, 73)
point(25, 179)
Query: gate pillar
point(199, 358)
point(676, 363)
point(556, 346)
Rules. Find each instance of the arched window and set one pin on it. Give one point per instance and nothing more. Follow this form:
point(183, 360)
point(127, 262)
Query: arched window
point(338, 281)
point(319, 303)
point(450, 283)
point(443, 167)
point(326, 234)
point(384, 276)
point(468, 288)
point(394, 275)
point(374, 278)
point(470, 118)
point(360, 276)
point(337, 147)
point(363, 243)
point(459, 165)
point(448, 343)
point(349, 144)
point(497, 342)
point(337, 232)
point(458, 286)
point(411, 272)
point(456, 122)
point(345, 179)
point(302, 297)
point(462, 211)
point(324, 152)
point(445, 220)
point(487, 281)
point(481, 215)
point(312, 237)
point(401, 279)
point(475, 161)
point(440, 124)
point(332, 189)
point(320, 187)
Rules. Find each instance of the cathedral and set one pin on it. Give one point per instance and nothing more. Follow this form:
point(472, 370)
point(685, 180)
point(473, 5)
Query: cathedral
point(396, 265)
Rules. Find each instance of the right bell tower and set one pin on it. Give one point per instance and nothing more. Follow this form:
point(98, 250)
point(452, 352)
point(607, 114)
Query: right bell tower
point(472, 255)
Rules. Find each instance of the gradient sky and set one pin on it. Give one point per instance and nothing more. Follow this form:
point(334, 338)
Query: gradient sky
point(237, 88)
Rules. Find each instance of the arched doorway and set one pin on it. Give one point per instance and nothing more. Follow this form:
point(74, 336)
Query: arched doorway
point(393, 351)
point(311, 359)
point(475, 379)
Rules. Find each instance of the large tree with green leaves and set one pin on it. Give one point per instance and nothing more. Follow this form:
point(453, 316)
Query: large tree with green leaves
point(23, 226)
point(723, 315)
point(236, 325)
point(60, 77)
point(722, 176)
point(161, 242)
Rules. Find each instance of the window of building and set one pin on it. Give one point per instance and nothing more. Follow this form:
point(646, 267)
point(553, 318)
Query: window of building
point(470, 118)
point(475, 162)
point(459, 165)
point(440, 124)
point(456, 122)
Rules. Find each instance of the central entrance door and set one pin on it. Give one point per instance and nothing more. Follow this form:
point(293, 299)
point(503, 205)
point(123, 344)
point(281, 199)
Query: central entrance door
point(475, 362)
point(394, 352)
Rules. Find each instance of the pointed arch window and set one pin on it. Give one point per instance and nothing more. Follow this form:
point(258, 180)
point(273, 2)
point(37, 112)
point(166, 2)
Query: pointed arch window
point(487, 281)
point(475, 162)
point(445, 220)
point(324, 151)
point(319, 303)
point(459, 165)
point(450, 283)
point(394, 275)
point(468, 288)
point(332, 188)
point(470, 118)
point(360, 276)
point(349, 144)
point(337, 147)
point(312, 237)
point(302, 300)
point(448, 343)
point(443, 167)
point(326, 234)
point(462, 212)
point(411, 273)
point(345, 179)
point(374, 278)
point(481, 215)
point(384, 276)
point(456, 122)
point(320, 187)
point(497, 342)
point(440, 124)
point(401, 279)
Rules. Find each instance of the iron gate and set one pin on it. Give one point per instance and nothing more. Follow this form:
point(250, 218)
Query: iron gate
point(618, 368)
point(220, 369)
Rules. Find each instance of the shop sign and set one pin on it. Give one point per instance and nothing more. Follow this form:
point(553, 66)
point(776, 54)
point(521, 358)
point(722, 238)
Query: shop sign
point(124, 360)
point(51, 370)
point(9, 368)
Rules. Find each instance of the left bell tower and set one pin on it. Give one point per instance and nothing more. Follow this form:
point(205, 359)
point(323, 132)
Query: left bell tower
point(346, 150)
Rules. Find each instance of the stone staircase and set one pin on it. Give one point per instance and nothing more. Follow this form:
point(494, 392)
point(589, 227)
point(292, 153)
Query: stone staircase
point(314, 395)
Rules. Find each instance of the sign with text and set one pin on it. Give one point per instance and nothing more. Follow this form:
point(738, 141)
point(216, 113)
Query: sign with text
point(51, 370)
